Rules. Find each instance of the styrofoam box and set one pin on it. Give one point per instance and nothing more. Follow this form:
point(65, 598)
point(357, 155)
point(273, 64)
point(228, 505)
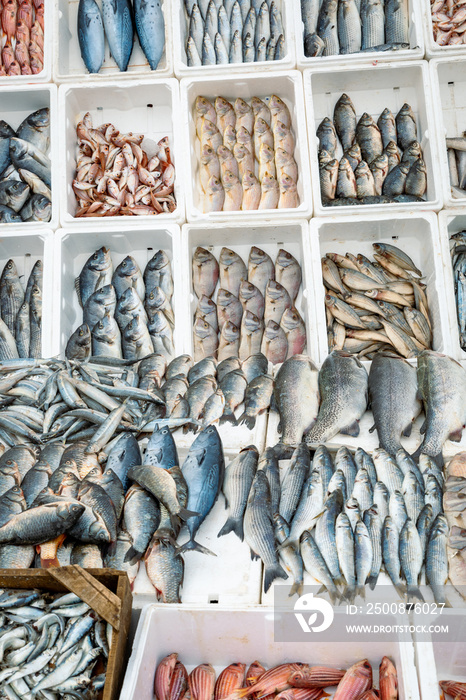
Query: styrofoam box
point(68, 64)
point(17, 103)
point(217, 636)
point(448, 79)
point(288, 86)
point(74, 246)
point(451, 221)
point(415, 51)
point(149, 107)
point(180, 36)
point(45, 76)
point(433, 50)
point(371, 90)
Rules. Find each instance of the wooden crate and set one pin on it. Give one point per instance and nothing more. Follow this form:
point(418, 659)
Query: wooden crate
point(107, 591)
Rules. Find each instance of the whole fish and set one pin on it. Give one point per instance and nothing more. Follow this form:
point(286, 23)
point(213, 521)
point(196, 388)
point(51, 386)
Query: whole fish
point(150, 27)
point(165, 567)
point(357, 679)
point(141, 517)
point(91, 35)
point(411, 558)
point(239, 476)
point(118, 25)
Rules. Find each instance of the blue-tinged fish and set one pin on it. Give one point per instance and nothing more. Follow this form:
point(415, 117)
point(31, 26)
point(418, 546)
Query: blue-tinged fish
point(91, 35)
point(150, 27)
point(118, 24)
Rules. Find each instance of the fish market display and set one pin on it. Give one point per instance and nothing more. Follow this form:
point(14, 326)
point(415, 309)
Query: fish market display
point(254, 309)
point(454, 530)
point(448, 23)
point(456, 151)
point(126, 313)
point(22, 37)
point(379, 163)
point(458, 259)
point(25, 168)
point(115, 176)
point(373, 306)
point(116, 22)
point(332, 28)
point(52, 645)
point(246, 154)
point(229, 31)
point(21, 313)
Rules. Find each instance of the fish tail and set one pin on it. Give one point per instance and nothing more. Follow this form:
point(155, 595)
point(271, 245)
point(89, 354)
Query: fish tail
point(271, 573)
point(49, 563)
point(185, 514)
point(249, 421)
point(417, 454)
point(233, 525)
point(400, 589)
point(297, 588)
point(414, 592)
point(229, 418)
point(372, 580)
point(350, 593)
point(192, 545)
point(132, 556)
point(340, 581)
point(361, 591)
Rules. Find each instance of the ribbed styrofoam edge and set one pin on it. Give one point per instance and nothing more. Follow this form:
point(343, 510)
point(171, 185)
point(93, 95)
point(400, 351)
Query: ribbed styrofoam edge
point(451, 221)
point(372, 88)
point(180, 34)
point(73, 246)
point(414, 53)
point(433, 50)
point(18, 101)
point(288, 86)
point(45, 76)
point(224, 636)
point(150, 107)
point(68, 65)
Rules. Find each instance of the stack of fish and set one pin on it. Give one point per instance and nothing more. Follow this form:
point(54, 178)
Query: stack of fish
point(289, 681)
point(115, 176)
point(119, 19)
point(453, 503)
point(458, 256)
point(448, 22)
point(381, 163)
point(456, 689)
point(233, 31)
point(372, 306)
point(255, 305)
point(125, 313)
point(50, 641)
point(333, 27)
point(25, 169)
point(21, 313)
point(22, 37)
point(456, 150)
point(236, 142)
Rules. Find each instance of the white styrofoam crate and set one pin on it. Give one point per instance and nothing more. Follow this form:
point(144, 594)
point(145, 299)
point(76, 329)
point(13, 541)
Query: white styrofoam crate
point(150, 107)
point(69, 66)
point(448, 80)
point(288, 86)
point(74, 246)
point(224, 636)
point(372, 89)
point(433, 50)
point(415, 51)
point(180, 35)
point(17, 103)
point(45, 76)
point(451, 221)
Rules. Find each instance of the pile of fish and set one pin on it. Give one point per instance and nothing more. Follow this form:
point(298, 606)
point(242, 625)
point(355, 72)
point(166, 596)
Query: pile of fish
point(52, 646)
point(458, 259)
point(381, 162)
point(119, 20)
point(115, 176)
point(456, 689)
point(289, 681)
point(21, 313)
point(254, 309)
point(448, 22)
point(233, 31)
point(372, 306)
point(25, 169)
point(22, 37)
point(456, 151)
point(453, 503)
point(246, 154)
point(125, 313)
point(353, 26)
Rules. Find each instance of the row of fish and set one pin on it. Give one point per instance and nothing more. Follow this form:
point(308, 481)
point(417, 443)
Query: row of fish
point(458, 255)
point(125, 313)
point(448, 22)
point(254, 309)
point(334, 27)
point(376, 305)
point(381, 163)
point(116, 22)
point(22, 37)
point(236, 142)
point(288, 681)
point(51, 646)
point(25, 169)
point(453, 497)
point(233, 31)
point(456, 151)
point(21, 313)
point(115, 176)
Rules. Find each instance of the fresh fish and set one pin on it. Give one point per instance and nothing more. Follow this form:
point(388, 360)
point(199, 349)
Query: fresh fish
point(297, 375)
point(236, 487)
point(411, 558)
point(91, 35)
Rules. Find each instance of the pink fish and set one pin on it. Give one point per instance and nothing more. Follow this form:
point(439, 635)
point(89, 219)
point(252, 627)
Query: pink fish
point(9, 19)
point(25, 13)
point(14, 69)
point(8, 55)
point(21, 53)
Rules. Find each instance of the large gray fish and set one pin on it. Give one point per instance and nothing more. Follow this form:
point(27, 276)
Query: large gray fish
point(327, 27)
point(292, 483)
point(101, 302)
point(343, 390)
point(158, 273)
point(25, 155)
point(79, 345)
point(37, 208)
point(40, 524)
point(96, 273)
point(349, 28)
point(91, 35)
point(310, 506)
point(369, 138)
point(11, 294)
point(118, 24)
point(165, 567)
point(141, 517)
point(406, 126)
point(325, 534)
point(124, 454)
point(239, 476)
point(11, 503)
point(161, 449)
point(150, 27)
point(327, 137)
point(316, 565)
point(269, 464)
point(373, 24)
point(387, 125)
point(309, 15)
point(387, 471)
point(6, 132)
point(289, 554)
point(128, 306)
point(128, 274)
point(136, 341)
point(14, 194)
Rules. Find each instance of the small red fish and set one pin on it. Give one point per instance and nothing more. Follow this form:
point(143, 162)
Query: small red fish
point(40, 15)
point(355, 682)
point(21, 53)
point(178, 682)
point(14, 69)
point(9, 19)
point(201, 682)
point(22, 32)
point(8, 55)
point(272, 681)
point(254, 672)
point(230, 679)
point(25, 13)
point(163, 676)
point(316, 677)
point(454, 688)
point(388, 680)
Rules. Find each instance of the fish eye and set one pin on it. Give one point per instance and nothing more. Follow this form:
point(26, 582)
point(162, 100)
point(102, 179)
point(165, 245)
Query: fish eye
point(95, 256)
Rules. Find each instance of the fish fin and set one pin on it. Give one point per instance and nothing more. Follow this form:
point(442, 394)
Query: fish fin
point(254, 556)
point(407, 431)
point(414, 592)
point(350, 594)
point(283, 451)
point(192, 545)
point(279, 427)
point(77, 286)
point(423, 428)
point(233, 525)
point(361, 591)
point(249, 421)
point(416, 454)
point(228, 418)
point(340, 581)
point(185, 514)
point(132, 556)
point(296, 588)
point(352, 429)
point(371, 430)
point(49, 563)
point(271, 573)
point(400, 589)
point(456, 435)
point(372, 581)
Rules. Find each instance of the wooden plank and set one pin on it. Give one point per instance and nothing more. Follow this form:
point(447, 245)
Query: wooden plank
point(119, 652)
point(91, 591)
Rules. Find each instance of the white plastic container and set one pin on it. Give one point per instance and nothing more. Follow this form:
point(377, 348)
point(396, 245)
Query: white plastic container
point(448, 79)
point(45, 76)
point(180, 36)
point(415, 51)
point(451, 221)
point(434, 50)
point(371, 90)
point(288, 86)
point(149, 107)
point(69, 66)
point(17, 103)
point(220, 637)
